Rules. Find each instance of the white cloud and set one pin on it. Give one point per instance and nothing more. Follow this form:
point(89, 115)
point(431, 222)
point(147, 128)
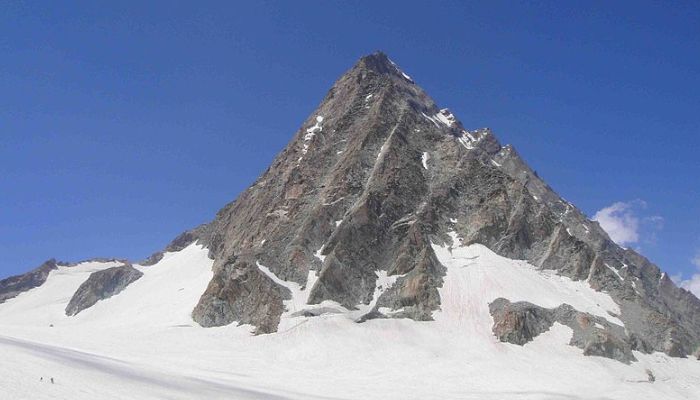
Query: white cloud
point(693, 283)
point(620, 222)
point(677, 279)
point(628, 224)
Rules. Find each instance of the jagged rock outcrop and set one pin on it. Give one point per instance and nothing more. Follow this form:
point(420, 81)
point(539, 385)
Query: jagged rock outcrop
point(102, 285)
point(14, 285)
point(180, 242)
point(521, 322)
point(241, 293)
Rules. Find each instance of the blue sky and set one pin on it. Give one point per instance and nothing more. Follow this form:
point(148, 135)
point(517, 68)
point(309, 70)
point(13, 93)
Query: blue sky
point(123, 124)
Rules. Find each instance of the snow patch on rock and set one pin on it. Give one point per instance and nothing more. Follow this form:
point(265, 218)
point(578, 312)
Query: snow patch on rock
point(300, 293)
point(446, 117)
point(405, 76)
point(310, 134)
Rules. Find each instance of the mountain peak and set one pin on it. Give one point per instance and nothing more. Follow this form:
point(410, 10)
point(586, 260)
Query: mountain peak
point(380, 63)
point(357, 207)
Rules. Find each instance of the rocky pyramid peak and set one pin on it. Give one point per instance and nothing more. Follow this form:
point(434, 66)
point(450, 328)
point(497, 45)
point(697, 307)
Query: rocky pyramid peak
point(348, 215)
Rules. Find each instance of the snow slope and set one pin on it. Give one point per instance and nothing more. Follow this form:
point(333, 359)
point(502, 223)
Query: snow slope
point(477, 276)
point(40, 306)
point(142, 344)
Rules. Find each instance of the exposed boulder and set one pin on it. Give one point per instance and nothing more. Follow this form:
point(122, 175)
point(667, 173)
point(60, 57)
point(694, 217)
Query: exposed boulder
point(520, 322)
point(102, 285)
point(241, 293)
point(651, 378)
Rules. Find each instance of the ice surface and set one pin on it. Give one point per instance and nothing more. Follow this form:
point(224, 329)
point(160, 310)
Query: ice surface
point(143, 344)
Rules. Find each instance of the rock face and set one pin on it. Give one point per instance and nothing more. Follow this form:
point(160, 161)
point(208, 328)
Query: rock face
point(242, 293)
point(102, 285)
point(520, 322)
point(375, 175)
point(14, 285)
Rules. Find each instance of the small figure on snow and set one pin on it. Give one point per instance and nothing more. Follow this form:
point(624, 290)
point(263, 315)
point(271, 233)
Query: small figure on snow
point(41, 379)
point(52, 380)
point(650, 376)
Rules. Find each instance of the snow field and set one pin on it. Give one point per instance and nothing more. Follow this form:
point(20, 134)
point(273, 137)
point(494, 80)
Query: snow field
point(143, 344)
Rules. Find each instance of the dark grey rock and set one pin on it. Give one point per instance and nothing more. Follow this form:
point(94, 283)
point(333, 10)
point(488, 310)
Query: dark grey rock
point(14, 285)
point(650, 376)
point(102, 285)
point(315, 312)
point(604, 344)
point(520, 322)
point(241, 293)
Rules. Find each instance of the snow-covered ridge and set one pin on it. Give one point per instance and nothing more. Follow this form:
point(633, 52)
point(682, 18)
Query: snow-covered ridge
point(165, 295)
point(44, 305)
point(446, 117)
point(405, 76)
point(443, 118)
point(469, 139)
